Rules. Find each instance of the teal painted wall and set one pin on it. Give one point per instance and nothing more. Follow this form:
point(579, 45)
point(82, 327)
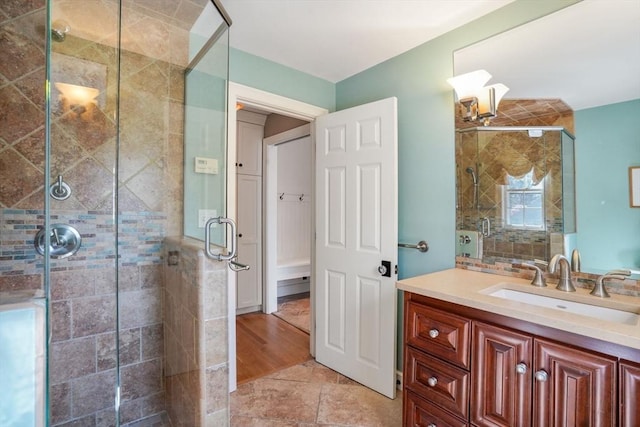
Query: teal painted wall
point(260, 73)
point(426, 164)
point(607, 143)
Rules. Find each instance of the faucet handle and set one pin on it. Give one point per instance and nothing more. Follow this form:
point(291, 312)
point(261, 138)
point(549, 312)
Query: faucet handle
point(538, 279)
point(600, 290)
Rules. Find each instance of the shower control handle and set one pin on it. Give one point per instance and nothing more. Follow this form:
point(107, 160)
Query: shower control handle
point(64, 241)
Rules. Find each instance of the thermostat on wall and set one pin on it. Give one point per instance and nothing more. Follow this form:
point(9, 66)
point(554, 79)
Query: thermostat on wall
point(206, 165)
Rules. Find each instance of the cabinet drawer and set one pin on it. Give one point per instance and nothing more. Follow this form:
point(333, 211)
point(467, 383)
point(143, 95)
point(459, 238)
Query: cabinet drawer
point(437, 381)
point(422, 413)
point(438, 333)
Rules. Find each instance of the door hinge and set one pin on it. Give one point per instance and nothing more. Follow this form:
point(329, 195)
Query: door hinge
point(396, 270)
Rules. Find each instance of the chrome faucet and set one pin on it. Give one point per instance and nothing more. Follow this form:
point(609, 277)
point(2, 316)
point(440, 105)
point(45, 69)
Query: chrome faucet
point(599, 289)
point(564, 282)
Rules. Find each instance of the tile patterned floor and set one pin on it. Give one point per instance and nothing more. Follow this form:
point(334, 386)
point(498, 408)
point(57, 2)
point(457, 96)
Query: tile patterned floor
point(296, 312)
point(309, 395)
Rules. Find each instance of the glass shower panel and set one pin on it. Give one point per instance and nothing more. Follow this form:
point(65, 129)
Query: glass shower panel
point(83, 105)
point(101, 153)
point(205, 132)
point(568, 183)
point(22, 172)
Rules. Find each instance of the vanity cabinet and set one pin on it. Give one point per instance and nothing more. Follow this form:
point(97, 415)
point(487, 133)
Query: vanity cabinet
point(465, 366)
point(629, 394)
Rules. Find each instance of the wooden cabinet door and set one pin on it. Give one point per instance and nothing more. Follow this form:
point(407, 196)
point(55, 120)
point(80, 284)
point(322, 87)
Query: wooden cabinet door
point(500, 376)
point(629, 392)
point(572, 387)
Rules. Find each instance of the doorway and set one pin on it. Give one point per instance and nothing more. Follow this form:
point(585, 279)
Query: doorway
point(269, 103)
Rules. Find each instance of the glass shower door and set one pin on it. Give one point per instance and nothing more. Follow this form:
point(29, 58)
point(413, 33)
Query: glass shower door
point(205, 132)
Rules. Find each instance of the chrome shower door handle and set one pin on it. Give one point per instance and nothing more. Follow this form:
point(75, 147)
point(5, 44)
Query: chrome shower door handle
point(207, 238)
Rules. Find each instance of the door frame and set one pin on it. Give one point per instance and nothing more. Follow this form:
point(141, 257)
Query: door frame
point(266, 101)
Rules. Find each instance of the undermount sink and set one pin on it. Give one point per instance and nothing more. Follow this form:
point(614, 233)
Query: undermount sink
point(584, 309)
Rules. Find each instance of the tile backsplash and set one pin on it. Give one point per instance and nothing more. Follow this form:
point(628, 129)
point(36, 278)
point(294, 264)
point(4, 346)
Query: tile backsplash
point(629, 287)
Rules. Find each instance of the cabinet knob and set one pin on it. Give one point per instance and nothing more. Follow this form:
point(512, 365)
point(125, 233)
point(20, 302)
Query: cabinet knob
point(432, 381)
point(433, 333)
point(541, 375)
point(431, 425)
point(521, 368)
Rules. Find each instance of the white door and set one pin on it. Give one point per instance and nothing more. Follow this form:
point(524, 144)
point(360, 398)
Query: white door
point(356, 230)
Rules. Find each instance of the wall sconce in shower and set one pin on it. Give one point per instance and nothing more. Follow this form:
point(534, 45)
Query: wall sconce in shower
point(480, 102)
point(76, 98)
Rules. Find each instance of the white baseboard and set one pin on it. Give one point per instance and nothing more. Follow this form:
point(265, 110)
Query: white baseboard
point(246, 310)
point(292, 287)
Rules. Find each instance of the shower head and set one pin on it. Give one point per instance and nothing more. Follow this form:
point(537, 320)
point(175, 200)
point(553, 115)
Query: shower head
point(474, 177)
point(59, 30)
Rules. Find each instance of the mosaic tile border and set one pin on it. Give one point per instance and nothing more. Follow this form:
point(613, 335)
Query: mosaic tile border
point(140, 238)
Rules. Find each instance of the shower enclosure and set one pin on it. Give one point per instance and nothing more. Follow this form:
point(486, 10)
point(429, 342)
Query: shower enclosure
point(97, 102)
point(515, 192)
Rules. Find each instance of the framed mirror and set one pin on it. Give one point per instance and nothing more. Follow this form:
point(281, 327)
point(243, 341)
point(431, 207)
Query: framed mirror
point(591, 65)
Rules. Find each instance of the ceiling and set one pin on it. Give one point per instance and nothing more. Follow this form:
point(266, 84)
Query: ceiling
point(335, 39)
point(573, 54)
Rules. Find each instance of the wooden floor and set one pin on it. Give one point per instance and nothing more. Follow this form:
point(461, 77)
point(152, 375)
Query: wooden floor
point(266, 344)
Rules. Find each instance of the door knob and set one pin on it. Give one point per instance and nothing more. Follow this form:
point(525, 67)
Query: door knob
point(385, 269)
point(541, 375)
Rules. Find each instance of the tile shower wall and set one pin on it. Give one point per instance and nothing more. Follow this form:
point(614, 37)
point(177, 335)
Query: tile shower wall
point(195, 327)
point(154, 55)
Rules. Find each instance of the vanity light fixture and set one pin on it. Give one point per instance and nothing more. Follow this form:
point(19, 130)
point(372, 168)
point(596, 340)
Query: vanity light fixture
point(480, 102)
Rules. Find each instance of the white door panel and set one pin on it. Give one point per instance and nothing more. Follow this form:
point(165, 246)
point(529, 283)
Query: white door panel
point(356, 228)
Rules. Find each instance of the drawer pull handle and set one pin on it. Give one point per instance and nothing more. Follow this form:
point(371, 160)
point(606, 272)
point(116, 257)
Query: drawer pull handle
point(541, 375)
point(432, 381)
point(521, 368)
point(433, 333)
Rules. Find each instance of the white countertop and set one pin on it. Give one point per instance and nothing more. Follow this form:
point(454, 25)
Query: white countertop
point(471, 288)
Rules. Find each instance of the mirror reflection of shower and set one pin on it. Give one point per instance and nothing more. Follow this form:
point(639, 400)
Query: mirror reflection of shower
point(474, 177)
